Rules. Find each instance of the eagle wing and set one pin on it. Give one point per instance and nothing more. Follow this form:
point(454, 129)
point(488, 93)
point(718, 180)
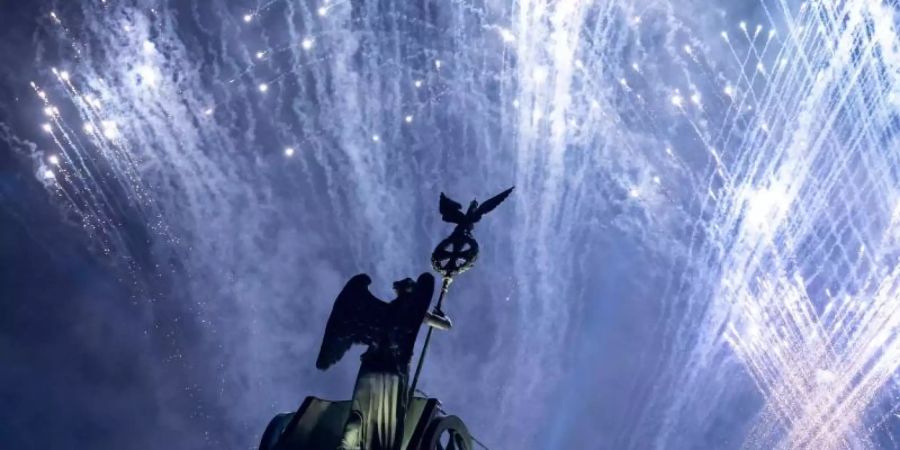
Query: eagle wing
point(491, 203)
point(355, 319)
point(450, 210)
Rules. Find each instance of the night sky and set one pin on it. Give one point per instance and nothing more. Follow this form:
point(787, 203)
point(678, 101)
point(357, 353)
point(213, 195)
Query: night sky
point(702, 250)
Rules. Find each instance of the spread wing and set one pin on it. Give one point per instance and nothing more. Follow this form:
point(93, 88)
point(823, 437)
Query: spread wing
point(450, 210)
point(492, 203)
point(355, 319)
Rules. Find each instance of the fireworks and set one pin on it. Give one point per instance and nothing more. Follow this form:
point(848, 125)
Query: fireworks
point(148, 75)
point(770, 144)
point(110, 129)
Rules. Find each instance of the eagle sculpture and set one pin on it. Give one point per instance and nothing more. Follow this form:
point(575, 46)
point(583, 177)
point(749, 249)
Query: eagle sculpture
point(458, 252)
point(451, 211)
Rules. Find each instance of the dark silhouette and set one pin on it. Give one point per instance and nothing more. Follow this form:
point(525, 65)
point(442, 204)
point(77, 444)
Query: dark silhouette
point(458, 252)
point(451, 211)
point(389, 330)
point(385, 413)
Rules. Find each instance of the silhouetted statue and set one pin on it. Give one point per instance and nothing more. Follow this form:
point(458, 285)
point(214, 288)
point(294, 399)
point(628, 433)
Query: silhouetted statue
point(389, 330)
point(383, 402)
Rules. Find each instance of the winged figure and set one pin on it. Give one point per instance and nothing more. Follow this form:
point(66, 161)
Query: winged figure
point(451, 211)
point(389, 329)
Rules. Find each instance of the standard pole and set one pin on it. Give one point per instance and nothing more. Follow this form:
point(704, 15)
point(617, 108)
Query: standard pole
point(445, 286)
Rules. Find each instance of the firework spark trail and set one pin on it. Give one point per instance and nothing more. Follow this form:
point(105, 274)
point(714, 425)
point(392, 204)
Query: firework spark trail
point(732, 215)
point(790, 367)
point(614, 14)
point(683, 325)
point(90, 209)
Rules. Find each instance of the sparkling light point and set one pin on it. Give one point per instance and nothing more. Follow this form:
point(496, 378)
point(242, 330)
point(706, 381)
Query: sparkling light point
point(149, 75)
point(110, 129)
point(539, 74)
